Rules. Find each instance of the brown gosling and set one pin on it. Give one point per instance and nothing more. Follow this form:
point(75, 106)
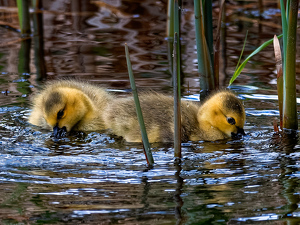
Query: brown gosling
point(69, 105)
point(221, 116)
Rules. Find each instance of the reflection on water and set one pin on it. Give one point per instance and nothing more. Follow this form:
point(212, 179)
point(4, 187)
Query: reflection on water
point(95, 178)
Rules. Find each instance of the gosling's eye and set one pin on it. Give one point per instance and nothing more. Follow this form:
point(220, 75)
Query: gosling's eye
point(231, 120)
point(60, 114)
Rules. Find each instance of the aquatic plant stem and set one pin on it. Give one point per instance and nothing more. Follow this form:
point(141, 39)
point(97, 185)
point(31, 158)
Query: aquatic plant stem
point(177, 100)
point(170, 33)
point(38, 40)
point(208, 28)
point(146, 144)
point(278, 59)
point(289, 74)
point(238, 71)
point(24, 17)
point(203, 56)
point(216, 49)
point(284, 32)
point(177, 14)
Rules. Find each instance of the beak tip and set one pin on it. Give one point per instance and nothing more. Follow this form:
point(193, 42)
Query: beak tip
point(59, 132)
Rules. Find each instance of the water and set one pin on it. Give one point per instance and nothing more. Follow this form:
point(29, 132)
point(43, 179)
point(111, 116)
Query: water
point(95, 178)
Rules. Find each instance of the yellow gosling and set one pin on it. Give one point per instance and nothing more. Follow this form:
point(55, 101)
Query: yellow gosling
point(69, 105)
point(220, 117)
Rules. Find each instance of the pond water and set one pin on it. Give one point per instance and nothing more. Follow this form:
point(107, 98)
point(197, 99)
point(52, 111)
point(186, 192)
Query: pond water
point(94, 178)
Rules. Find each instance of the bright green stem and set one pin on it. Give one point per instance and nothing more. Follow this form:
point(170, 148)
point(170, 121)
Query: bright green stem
point(177, 14)
point(203, 56)
point(24, 16)
point(238, 71)
point(139, 113)
point(289, 101)
point(287, 10)
point(284, 32)
point(170, 23)
point(177, 100)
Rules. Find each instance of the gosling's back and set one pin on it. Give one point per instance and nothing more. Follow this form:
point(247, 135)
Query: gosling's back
point(121, 118)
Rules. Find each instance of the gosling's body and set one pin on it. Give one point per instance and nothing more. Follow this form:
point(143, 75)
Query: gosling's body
point(219, 117)
point(69, 105)
point(75, 105)
point(120, 117)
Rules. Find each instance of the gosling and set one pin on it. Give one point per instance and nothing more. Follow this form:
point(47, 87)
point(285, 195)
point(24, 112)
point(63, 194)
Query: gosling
point(69, 105)
point(221, 116)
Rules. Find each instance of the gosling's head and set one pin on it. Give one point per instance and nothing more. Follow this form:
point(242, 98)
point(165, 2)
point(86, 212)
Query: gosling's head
point(64, 108)
point(225, 113)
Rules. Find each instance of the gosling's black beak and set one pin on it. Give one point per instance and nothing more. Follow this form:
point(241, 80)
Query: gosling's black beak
point(59, 132)
point(241, 131)
point(239, 134)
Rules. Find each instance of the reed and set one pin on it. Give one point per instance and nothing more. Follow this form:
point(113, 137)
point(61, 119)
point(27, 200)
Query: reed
point(240, 68)
point(287, 95)
point(216, 50)
point(170, 33)
point(38, 40)
point(24, 68)
point(24, 17)
point(139, 113)
point(203, 56)
point(177, 100)
point(177, 15)
point(289, 69)
point(208, 27)
point(278, 59)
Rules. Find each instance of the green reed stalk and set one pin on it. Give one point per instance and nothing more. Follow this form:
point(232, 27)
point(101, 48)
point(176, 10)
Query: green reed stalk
point(289, 72)
point(24, 16)
point(177, 15)
point(203, 55)
point(284, 30)
point(170, 22)
point(139, 113)
point(170, 32)
point(241, 55)
point(177, 100)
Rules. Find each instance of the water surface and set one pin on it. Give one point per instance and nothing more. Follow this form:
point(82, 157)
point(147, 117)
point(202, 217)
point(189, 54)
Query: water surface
point(94, 178)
